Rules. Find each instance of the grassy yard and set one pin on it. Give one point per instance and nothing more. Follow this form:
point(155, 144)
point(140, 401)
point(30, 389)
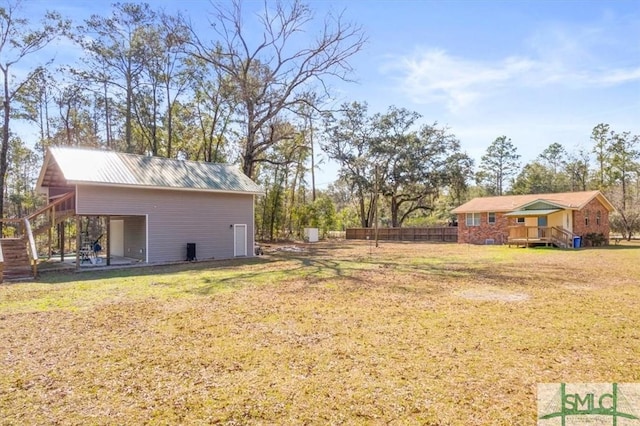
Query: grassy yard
point(341, 333)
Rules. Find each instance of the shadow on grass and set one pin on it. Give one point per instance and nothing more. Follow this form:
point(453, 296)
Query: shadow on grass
point(320, 263)
point(305, 266)
point(59, 277)
point(481, 272)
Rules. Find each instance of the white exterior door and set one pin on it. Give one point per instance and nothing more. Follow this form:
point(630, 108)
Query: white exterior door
point(240, 240)
point(116, 233)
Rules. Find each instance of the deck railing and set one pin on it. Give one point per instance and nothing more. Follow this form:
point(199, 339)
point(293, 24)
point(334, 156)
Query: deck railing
point(42, 219)
point(529, 232)
point(541, 234)
point(562, 237)
point(49, 215)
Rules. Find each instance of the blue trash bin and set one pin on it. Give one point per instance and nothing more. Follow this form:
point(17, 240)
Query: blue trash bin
point(576, 242)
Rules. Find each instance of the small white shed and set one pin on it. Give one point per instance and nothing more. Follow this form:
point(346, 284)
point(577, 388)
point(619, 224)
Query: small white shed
point(311, 235)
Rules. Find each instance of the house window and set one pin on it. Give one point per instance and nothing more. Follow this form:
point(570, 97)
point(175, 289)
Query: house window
point(598, 217)
point(491, 217)
point(520, 220)
point(586, 218)
point(473, 219)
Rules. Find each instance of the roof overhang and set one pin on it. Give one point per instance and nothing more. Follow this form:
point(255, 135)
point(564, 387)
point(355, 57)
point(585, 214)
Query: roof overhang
point(604, 201)
point(50, 175)
point(544, 201)
point(163, 188)
point(521, 213)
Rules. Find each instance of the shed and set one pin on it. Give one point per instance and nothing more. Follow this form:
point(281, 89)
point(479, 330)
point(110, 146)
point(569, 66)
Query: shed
point(152, 207)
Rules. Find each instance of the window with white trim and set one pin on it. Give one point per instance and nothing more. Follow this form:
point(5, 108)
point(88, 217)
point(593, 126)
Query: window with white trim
point(598, 217)
point(491, 217)
point(520, 220)
point(472, 219)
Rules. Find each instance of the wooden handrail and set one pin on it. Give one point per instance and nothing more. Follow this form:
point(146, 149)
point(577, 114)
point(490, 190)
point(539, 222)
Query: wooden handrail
point(27, 232)
point(33, 251)
point(11, 219)
point(52, 205)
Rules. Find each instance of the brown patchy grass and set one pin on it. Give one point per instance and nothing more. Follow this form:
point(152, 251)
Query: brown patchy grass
point(343, 333)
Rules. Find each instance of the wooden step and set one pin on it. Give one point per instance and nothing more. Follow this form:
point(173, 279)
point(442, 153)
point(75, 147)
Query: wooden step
point(17, 272)
point(17, 264)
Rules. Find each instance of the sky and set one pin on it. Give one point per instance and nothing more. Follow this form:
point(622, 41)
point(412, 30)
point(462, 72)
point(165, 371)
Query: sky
point(537, 72)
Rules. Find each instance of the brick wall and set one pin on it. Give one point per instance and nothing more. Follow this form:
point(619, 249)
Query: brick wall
point(498, 231)
point(591, 211)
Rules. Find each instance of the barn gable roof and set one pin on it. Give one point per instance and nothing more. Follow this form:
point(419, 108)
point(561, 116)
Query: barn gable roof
point(65, 166)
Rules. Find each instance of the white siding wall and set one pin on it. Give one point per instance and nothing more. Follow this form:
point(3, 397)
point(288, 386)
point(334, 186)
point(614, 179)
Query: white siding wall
point(175, 218)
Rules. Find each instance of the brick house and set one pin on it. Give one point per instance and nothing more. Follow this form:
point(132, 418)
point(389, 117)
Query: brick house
point(550, 219)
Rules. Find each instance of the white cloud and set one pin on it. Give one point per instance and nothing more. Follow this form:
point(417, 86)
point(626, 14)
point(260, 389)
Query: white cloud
point(435, 76)
point(619, 76)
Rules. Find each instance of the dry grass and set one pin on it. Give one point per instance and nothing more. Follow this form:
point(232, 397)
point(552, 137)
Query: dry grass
point(339, 334)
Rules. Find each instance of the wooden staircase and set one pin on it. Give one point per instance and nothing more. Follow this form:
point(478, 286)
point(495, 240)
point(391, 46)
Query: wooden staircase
point(17, 264)
point(18, 255)
point(561, 237)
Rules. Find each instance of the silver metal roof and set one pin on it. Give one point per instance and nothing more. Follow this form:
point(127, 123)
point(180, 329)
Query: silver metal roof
point(91, 166)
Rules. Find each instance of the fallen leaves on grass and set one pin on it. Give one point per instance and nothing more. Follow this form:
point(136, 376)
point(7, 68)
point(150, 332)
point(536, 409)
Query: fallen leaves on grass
point(336, 334)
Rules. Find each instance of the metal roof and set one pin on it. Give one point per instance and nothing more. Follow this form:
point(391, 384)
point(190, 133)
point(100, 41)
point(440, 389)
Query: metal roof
point(71, 166)
point(532, 212)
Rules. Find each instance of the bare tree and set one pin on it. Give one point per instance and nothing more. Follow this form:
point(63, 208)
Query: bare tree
point(215, 104)
point(18, 40)
point(273, 74)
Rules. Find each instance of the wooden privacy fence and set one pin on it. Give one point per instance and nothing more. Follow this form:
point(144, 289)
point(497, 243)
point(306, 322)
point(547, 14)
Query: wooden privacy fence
point(442, 234)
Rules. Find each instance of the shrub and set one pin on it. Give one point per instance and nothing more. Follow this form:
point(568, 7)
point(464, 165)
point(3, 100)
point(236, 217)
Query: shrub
point(595, 239)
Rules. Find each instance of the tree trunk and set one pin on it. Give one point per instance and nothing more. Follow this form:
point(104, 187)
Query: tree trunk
point(363, 216)
point(107, 119)
point(127, 117)
point(248, 158)
point(5, 139)
point(275, 205)
point(313, 165)
point(169, 122)
point(394, 211)
point(154, 125)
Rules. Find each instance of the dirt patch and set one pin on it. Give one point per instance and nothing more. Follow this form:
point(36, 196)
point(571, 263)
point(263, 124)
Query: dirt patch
point(492, 294)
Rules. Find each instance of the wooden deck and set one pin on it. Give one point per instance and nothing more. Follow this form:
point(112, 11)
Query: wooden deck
point(529, 236)
point(529, 242)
